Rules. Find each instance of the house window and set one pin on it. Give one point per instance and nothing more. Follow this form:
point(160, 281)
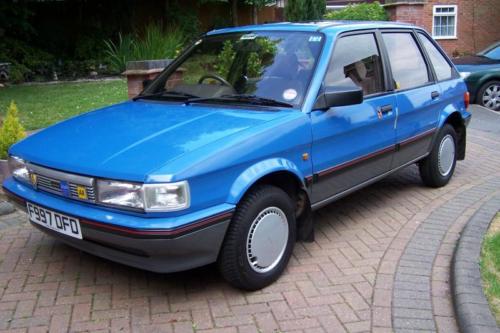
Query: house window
point(444, 24)
point(280, 3)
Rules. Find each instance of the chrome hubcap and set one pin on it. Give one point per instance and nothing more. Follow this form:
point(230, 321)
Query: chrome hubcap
point(267, 239)
point(446, 155)
point(491, 97)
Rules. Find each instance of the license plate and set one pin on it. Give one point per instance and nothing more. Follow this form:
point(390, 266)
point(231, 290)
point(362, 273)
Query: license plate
point(61, 223)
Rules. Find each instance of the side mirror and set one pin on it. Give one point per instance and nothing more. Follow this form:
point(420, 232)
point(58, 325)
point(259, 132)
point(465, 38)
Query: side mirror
point(146, 83)
point(338, 96)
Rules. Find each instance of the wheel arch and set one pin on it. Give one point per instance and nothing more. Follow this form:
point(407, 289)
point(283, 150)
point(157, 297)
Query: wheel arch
point(456, 120)
point(283, 174)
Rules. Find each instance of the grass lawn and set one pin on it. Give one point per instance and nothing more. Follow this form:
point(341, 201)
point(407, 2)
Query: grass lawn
point(42, 105)
point(490, 267)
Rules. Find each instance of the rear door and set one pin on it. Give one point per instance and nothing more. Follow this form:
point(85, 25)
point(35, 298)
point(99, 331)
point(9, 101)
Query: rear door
point(353, 144)
point(417, 95)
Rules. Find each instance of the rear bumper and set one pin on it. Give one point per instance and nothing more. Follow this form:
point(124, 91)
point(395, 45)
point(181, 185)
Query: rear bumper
point(157, 250)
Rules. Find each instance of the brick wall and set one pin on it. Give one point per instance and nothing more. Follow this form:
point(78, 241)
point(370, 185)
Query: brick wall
point(478, 22)
point(407, 13)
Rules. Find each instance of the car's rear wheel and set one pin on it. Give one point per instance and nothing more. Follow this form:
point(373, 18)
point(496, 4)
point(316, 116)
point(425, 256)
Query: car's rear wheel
point(489, 95)
point(438, 167)
point(260, 239)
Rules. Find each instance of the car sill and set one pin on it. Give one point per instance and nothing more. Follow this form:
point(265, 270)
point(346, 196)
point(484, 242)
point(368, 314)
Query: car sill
point(337, 196)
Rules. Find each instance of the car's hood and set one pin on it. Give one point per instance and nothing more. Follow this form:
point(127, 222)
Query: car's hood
point(475, 63)
point(132, 139)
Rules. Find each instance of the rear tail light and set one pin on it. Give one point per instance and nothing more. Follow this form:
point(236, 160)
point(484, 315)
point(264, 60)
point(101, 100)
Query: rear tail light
point(467, 99)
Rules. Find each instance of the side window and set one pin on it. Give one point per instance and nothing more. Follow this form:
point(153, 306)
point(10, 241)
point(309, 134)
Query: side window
point(356, 62)
point(442, 68)
point(407, 63)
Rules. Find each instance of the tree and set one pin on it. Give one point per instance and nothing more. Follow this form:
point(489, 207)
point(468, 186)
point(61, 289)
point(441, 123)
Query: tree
point(14, 19)
point(233, 4)
point(294, 10)
point(314, 9)
point(305, 10)
point(234, 12)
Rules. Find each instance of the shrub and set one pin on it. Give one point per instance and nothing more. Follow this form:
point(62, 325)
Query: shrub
point(154, 43)
point(118, 54)
point(18, 73)
point(360, 12)
point(26, 61)
point(158, 43)
point(11, 130)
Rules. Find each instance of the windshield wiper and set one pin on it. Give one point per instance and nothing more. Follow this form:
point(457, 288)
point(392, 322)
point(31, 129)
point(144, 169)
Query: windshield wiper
point(166, 94)
point(243, 98)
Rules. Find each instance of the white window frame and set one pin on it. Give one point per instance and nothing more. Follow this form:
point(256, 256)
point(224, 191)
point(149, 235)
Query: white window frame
point(454, 14)
point(335, 7)
point(280, 3)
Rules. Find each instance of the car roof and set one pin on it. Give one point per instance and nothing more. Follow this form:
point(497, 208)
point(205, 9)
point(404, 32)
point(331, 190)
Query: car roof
point(324, 26)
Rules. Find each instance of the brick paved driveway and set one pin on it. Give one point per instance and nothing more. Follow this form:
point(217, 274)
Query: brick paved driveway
point(380, 263)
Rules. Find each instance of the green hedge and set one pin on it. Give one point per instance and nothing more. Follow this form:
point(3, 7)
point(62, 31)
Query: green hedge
point(360, 12)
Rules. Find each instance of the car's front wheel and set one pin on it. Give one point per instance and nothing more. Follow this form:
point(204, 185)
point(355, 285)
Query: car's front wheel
point(260, 239)
point(489, 95)
point(438, 167)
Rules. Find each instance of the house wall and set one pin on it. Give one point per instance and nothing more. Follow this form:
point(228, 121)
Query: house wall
point(478, 22)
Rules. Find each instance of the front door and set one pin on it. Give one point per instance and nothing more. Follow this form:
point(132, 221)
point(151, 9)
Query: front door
point(353, 144)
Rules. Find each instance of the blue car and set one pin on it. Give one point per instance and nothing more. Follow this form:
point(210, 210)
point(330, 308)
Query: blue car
point(226, 154)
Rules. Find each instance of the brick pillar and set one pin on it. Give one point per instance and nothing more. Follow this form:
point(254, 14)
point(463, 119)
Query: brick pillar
point(407, 12)
point(138, 71)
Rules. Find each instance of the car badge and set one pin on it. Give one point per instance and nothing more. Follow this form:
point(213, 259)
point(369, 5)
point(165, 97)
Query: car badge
point(33, 179)
point(64, 186)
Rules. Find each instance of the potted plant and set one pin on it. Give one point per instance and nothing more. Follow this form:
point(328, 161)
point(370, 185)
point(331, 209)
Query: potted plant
point(10, 132)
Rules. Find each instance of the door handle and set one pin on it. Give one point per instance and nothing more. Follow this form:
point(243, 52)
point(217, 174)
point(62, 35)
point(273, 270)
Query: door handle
point(385, 109)
point(381, 110)
point(434, 94)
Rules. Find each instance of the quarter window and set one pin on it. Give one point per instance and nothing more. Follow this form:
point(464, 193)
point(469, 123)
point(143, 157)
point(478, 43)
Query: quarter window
point(408, 66)
point(356, 62)
point(442, 68)
point(444, 24)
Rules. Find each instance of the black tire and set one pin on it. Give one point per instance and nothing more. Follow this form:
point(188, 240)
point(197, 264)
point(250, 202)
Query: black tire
point(482, 90)
point(233, 262)
point(429, 167)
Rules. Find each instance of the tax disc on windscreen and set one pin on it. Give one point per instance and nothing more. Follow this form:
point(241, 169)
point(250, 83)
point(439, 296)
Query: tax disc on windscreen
point(290, 94)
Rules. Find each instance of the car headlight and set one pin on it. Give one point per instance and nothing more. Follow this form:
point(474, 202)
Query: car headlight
point(166, 197)
point(465, 75)
point(19, 169)
point(116, 193)
point(148, 197)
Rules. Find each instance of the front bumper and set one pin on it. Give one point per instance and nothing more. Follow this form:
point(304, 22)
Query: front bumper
point(163, 250)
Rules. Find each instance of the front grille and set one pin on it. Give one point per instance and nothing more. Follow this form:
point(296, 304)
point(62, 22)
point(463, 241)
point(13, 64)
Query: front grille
point(62, 183)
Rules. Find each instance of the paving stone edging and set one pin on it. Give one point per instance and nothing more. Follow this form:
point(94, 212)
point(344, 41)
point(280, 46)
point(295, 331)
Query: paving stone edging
point(472, 309)
point(412, 290)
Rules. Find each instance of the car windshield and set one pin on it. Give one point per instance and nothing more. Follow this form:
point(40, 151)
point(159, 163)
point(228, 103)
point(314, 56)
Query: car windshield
point(258, 66)
point(492, 52)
